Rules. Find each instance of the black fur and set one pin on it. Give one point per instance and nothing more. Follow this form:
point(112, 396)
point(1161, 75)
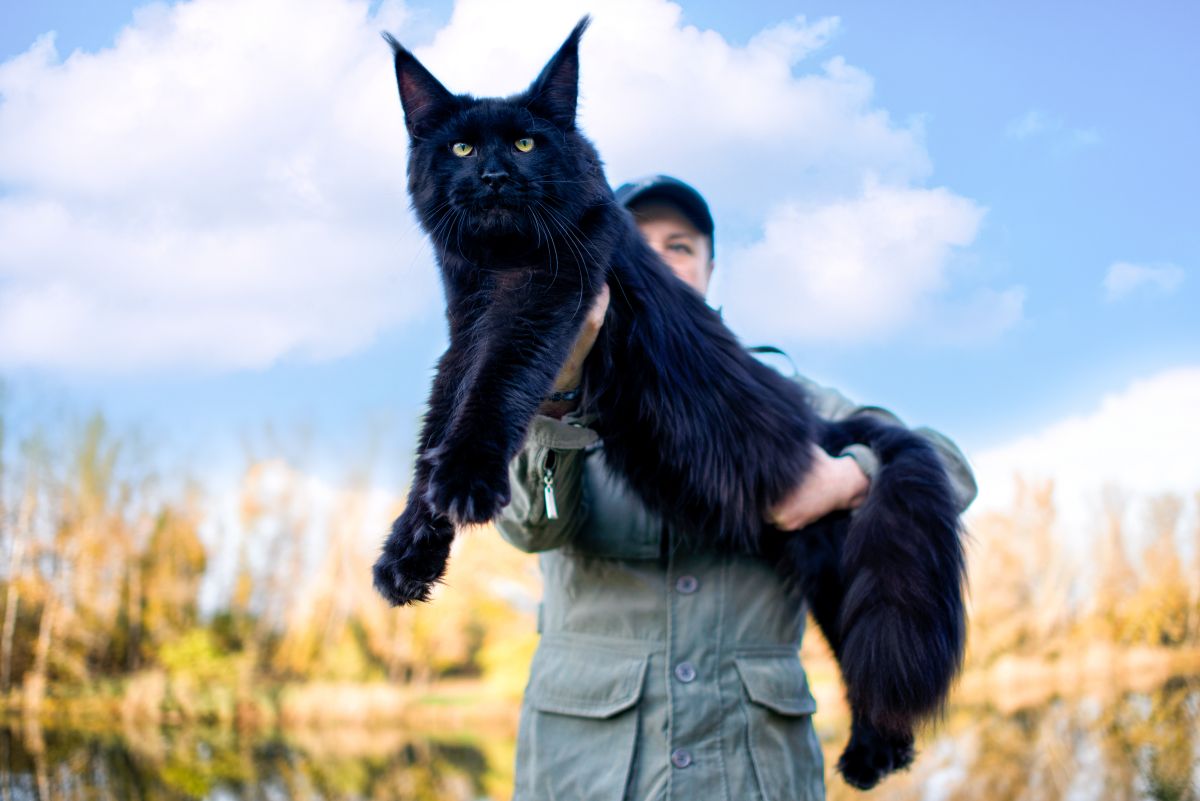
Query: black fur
point(705, 434)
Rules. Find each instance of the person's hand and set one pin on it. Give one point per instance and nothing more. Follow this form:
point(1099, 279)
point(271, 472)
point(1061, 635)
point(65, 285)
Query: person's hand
point(832, 484)
point(572, 370)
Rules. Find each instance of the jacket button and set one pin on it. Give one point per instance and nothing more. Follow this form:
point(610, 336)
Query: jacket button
point(686, 585)
point(681, 758)
point(685, 672)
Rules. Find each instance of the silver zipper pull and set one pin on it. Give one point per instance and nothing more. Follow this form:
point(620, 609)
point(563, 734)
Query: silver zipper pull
point(548, 491)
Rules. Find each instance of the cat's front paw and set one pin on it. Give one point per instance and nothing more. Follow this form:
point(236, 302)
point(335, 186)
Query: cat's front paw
point(871, 755)
point(466, 487)
point(414, 555)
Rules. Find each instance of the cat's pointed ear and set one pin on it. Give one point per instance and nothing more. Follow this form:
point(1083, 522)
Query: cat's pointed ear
point(424, 98)
point(554, 94)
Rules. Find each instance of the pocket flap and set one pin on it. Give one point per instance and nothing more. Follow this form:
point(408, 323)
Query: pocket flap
point(585, 682)
point(778, 683)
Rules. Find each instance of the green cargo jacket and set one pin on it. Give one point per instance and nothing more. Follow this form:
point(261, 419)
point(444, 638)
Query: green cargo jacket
point(662, 673)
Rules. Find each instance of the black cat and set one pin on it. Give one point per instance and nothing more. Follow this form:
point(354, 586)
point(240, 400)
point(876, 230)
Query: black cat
point(526, 232)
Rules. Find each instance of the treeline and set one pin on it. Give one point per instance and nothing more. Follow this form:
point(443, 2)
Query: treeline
point(103, 567)
point(1133, 582)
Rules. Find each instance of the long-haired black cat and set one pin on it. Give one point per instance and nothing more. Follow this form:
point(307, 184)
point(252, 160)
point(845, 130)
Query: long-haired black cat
point(526, 232)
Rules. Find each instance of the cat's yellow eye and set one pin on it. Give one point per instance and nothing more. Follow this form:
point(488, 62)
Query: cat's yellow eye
point(524, 144)
point(462, 149)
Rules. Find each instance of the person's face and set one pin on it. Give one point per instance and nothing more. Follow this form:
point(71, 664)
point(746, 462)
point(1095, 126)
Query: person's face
point(677, 241)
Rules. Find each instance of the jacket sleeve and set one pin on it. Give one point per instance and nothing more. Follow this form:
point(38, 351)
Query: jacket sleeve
point(833, 405)
point(554, 451)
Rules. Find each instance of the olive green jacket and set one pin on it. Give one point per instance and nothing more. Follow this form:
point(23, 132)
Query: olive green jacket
point(661, 673)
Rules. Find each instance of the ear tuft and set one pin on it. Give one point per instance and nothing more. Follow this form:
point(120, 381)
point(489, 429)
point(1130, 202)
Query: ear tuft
point(555, 93)
point(424, 98)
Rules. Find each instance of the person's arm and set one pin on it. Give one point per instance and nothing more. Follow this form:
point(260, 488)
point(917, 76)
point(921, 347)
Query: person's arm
point(833, 405)
point(546, 476)
point(842, 481)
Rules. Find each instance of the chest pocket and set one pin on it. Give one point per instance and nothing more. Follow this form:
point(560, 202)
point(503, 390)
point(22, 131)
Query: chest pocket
point(618, 525)
point(579, 725)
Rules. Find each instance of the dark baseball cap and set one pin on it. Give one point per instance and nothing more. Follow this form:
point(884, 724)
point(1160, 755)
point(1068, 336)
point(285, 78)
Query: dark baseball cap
point(673, 191)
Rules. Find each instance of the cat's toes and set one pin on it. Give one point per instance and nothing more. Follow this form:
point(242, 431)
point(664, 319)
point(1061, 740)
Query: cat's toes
point(396, 585)
point(467, 490)
point(414, 557)
point(870, 756)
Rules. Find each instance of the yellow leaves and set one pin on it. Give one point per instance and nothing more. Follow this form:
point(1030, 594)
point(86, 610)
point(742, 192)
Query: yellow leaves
point(1032, 595)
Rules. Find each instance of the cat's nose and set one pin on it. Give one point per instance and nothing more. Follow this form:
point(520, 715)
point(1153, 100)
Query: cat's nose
point(494, 179)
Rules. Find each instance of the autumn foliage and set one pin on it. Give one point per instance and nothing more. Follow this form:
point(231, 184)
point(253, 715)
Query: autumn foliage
point(257, 604)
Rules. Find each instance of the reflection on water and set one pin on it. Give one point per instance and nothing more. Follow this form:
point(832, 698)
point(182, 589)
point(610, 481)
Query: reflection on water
point(323, 766)
point(1129, 746)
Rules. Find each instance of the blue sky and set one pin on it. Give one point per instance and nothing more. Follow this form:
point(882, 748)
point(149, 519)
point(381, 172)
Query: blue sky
point(1062, 135)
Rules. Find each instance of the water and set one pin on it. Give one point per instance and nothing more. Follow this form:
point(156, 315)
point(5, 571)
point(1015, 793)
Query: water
point(217, 766)
point(1133, 745)
point(1123, 746)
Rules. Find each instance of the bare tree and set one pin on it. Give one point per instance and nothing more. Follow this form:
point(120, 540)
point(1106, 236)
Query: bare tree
point(1160, 607)
point(18, 534)
point(1194, 611)
point(1116, 579)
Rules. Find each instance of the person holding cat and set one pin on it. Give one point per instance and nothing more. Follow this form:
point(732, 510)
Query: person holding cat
point(637, 690)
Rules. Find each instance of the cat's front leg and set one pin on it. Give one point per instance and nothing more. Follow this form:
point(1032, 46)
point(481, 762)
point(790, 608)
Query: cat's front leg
point(468, 471)
point(415, 554)
point(468, 484)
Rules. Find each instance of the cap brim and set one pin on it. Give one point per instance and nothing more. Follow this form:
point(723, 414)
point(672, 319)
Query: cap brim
point(674, 192)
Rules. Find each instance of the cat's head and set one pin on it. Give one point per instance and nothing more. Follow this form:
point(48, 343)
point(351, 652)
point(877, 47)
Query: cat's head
point(491, 168)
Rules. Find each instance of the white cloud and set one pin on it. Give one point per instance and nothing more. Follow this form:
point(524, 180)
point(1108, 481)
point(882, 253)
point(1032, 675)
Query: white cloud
point(1028, 124)
point(1124, 278)
point(982, 316)
point(1034, 123)
point(750, 126)
point(856, 269)
point(225, 185)
point(222, 187)
point(1142, 439)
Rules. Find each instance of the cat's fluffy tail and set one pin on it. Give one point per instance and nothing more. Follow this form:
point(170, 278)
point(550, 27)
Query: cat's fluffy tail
point(902, 620)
